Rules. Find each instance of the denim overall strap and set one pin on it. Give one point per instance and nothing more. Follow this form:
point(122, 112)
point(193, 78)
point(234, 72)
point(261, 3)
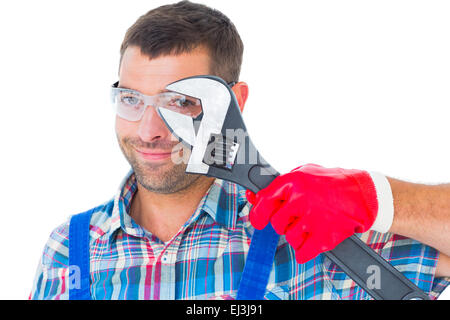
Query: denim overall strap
point(79, 256)
point(258, 265)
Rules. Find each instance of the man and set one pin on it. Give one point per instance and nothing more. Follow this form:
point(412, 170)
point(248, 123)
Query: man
point(171, 235)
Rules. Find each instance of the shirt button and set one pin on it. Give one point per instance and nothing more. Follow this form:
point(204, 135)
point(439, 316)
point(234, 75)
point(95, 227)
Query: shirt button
point(165, 258)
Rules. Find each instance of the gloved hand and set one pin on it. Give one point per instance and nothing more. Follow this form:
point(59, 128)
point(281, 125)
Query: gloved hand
point(316, 208)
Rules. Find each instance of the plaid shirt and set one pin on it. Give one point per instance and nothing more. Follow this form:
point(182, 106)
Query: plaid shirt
point(205, 259)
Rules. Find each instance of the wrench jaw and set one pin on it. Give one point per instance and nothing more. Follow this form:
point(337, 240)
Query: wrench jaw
point(181, 126)
point(220, 144)
point(216, 98)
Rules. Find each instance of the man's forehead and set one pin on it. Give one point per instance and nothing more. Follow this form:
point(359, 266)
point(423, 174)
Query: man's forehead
point(152, 75)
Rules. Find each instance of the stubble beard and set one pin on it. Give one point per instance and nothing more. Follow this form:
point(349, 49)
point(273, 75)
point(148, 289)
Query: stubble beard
point(166, 177)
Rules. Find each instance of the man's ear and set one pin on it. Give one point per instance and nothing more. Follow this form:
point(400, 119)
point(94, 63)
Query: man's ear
point(240, 90)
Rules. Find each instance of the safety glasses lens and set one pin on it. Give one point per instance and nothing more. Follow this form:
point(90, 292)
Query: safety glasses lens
point(179, 103)
point(131, 105)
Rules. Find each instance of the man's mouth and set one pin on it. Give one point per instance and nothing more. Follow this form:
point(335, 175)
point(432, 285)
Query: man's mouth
point(153, 154)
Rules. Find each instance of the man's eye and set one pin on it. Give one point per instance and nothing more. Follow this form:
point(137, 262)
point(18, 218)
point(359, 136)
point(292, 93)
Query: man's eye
point(182, 102)
point(130, 100)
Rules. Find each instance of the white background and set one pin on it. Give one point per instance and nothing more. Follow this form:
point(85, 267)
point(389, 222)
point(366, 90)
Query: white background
point(354, 84)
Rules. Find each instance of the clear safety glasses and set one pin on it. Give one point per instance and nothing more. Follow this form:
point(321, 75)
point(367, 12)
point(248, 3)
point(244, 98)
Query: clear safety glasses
point(131, 105)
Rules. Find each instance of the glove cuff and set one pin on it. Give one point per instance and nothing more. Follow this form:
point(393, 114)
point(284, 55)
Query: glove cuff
point(369, 194)
point(385, 215)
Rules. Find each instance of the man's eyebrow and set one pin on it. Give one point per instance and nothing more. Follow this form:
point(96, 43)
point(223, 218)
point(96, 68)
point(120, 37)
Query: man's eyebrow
point(125, 87)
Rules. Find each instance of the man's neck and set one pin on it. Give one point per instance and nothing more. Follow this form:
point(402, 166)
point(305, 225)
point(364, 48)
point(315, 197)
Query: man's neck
point(164, 214)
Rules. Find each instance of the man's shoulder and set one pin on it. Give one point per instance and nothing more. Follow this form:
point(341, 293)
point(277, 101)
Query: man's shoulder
point(234, 191)
point(56, 250)
point(232, 197)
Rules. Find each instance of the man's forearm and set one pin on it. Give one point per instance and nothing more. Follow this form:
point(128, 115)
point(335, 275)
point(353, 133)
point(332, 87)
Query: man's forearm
point(422, 212)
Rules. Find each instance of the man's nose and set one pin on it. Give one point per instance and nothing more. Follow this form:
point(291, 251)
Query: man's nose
point(151, 126)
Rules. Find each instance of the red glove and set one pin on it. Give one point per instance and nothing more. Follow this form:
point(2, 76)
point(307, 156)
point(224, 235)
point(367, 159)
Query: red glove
point(316, 207)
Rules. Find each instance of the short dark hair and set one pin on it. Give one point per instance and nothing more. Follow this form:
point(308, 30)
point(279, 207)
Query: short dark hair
point(182, 27)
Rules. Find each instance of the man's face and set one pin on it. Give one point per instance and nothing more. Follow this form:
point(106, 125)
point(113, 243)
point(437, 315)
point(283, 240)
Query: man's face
point(148, 144)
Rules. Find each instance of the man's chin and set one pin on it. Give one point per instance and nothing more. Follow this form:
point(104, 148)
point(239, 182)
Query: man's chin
point(163, 177)
point(154, 167)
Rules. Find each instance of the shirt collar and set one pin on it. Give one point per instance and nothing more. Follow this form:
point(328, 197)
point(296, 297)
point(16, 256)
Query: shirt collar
point(122, 203)
point(223, 202)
